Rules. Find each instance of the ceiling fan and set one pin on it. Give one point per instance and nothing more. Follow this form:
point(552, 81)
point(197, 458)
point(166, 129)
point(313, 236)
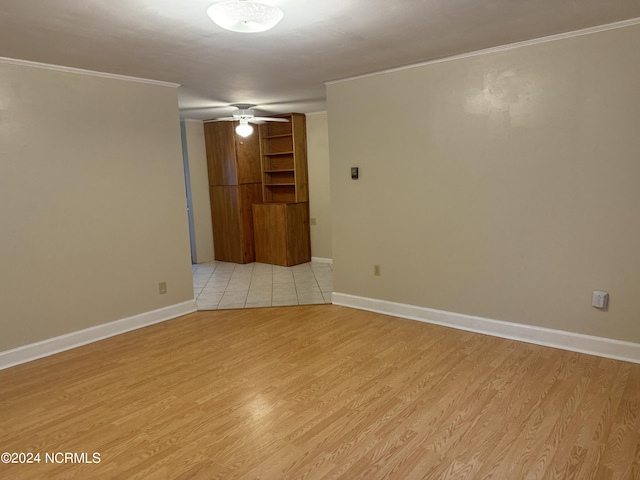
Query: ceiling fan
point(245, 114)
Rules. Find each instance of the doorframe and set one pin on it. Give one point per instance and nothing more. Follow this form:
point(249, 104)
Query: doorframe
point(187, 182)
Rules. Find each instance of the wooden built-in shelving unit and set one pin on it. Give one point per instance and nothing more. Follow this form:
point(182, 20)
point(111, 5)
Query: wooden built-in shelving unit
point(283, 154)
point(282, 235)
point(259, 192)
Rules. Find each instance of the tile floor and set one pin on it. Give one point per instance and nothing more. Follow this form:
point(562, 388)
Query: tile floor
point(219, 285)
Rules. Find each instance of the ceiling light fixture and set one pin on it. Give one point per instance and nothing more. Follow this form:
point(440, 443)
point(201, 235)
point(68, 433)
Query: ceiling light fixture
point(244, 129)
point(245, 16)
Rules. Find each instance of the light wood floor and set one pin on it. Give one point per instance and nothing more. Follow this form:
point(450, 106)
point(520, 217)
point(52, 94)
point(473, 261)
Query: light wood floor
point(321, 392)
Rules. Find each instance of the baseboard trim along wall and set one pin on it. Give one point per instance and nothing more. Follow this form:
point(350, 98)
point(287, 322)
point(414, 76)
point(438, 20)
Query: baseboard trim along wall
point(575, 342)
point(322, 260)
point(71, 340)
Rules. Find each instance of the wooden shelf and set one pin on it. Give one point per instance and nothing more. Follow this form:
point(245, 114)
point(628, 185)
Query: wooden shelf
point(283, 153)
point(277, 136)
point(273, 154)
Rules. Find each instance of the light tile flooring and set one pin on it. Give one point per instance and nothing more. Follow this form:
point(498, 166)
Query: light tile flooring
point(219, 285)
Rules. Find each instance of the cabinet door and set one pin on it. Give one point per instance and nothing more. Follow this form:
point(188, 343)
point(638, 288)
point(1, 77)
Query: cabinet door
point(249, 194)
point(248, 158)
point(281, 232)
point(269, 228)
point(232, 219)
point(225, 217)
point(221, 153)
point(298, 236)
point(231, 159)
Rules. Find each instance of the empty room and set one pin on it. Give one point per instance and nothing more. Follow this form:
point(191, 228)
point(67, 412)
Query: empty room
point(277, 239)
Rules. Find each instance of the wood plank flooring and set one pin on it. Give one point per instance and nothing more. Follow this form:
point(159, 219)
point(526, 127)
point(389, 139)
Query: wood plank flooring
point(320, 392)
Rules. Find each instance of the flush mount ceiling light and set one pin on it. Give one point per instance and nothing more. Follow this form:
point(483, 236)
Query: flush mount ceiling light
point(245, 16)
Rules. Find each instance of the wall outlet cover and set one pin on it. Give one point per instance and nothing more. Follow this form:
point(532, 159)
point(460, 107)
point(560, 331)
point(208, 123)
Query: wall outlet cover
point(600, 299)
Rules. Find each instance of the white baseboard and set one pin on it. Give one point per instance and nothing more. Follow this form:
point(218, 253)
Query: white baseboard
point(71, 340)
point(575, 342)
point(322, 260)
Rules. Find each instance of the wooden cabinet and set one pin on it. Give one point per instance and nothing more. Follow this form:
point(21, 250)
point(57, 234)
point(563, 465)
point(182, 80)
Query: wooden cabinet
point(281, 223)
point(231, 159)
point(234, 186)
point(232, 221)
point(259, 192)
point(283, 152)
point(282, 233)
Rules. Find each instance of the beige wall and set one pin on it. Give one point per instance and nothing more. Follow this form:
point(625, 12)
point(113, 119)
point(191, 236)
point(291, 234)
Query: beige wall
point(319, 184)
point(504, 185)
point(201, 206)
point(92, 202)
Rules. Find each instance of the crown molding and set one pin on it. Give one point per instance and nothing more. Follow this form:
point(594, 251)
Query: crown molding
point(500, 48)
point(80, 71)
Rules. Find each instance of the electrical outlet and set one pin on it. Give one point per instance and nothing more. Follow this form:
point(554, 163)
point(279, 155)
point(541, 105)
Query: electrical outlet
point(600, 299)
point(162, 288)
point(376, 270)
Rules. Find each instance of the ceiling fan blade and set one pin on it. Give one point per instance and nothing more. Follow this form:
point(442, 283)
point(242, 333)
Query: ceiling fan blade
point(270, 119)
point(226, 119)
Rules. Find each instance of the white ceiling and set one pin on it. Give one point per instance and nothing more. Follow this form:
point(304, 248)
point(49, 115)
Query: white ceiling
point(284, 69)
